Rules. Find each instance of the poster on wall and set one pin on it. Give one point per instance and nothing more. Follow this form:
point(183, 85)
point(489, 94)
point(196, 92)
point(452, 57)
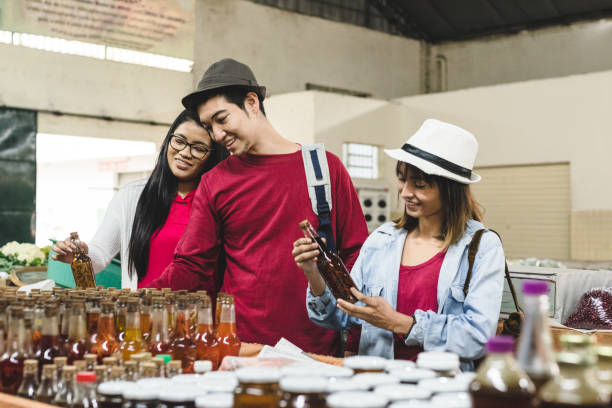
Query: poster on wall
point(164, 27)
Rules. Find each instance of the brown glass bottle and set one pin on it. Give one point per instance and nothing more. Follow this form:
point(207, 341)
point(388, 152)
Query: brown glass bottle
point(29, 383)
point(82, 269)
point(227, 333)
point(132, 342)
point(332, 269)
point(159, 340)
point(104, 343)
point(182, 345)
point(499, 381)
point(77, 333)
point(48, 386)
point(205, 339)
point(50, 346)
point(92, 308)
point(11, 362)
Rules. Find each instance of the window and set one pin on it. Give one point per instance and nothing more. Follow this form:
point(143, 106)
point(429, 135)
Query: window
point(361, 160)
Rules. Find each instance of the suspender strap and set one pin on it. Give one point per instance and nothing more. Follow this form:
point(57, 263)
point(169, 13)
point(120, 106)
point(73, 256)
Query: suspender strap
point(472, 250)
point(319, 189)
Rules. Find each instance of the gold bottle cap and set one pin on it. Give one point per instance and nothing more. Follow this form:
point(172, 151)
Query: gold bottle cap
point(30, 366)
point(49, 370)
point(80, 365)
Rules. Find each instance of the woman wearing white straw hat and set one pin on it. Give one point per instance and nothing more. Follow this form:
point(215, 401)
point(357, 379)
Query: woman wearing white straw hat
point(411, 273)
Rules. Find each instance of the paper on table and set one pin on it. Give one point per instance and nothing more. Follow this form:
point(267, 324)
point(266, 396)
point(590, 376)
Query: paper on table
point(285, 349)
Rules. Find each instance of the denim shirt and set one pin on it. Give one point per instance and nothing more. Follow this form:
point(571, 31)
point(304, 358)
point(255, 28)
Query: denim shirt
point(462, 324)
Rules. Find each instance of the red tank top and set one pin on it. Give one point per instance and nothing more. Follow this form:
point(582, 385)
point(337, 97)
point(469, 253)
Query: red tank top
point(417, 288)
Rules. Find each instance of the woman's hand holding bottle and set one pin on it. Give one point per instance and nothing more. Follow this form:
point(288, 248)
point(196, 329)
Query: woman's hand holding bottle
point(64, 250)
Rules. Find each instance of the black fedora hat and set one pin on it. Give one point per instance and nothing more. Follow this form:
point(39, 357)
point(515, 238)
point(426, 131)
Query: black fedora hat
point(221, 74)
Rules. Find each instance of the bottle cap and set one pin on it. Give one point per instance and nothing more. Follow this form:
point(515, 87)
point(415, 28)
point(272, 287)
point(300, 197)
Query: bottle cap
point(343, 385)
point(138, 393)
point(402, 392)
point(535, 287)
point(375, 379)
point(202, 366)
point(113, 387)
point(443, 384)
point(220, 375)
point(452, 400)
point(86, 377)
point(438, 360)
point(258, 375)
point(356, 399)
point(500, 344)
point(365, 363)
point(165, 357)
point(299, 384)
point(224, 400)
point(399, 365)
point(182, 393)
point(185, 379)
point(154, 382)
point(217, 386)
point(414, 375)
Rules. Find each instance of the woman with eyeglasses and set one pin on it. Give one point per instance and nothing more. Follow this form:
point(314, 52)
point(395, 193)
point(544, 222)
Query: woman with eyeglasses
point(146, 218)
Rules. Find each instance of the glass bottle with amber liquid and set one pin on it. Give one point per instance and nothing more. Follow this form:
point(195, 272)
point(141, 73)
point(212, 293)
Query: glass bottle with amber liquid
point(82, 269)
point(120, 317)
point(205, 339)
point(77, 333)
point(330, 265)
point(50, 346)
point(29, 383)
point(132, 342)
point(11, 362)
point(182, 345)
point(48, 386)
point(104, 343)
point(159, 340)
point(92, 309)
point(145, 317)
point(227, 334)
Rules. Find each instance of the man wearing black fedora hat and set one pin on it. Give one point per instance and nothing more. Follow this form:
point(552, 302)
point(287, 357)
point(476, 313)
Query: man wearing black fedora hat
point(249, 208)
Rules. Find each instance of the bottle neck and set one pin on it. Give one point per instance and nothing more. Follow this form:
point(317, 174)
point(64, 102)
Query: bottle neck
point(15, 341)
point(159, 325)
point(205, 316)
point(181, 327)
point(132, 321)
point(77, 330)
point(50, 326)
point(106, 325)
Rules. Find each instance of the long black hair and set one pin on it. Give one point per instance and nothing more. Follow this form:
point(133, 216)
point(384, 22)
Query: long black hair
point(157, 197)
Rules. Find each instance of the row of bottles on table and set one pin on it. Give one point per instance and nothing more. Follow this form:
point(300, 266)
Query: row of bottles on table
point(580, 375)
point(108, 322)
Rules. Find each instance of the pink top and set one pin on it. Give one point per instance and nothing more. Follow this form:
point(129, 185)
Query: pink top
point(164, 240)
point(417, 289)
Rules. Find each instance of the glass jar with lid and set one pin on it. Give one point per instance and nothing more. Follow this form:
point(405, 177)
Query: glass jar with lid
point(179, 396)
point(366, 364)
point(402, 392)
point(344, 385)
point(443, 363)
point(373, 380)
point(220, 400)
point(110, 394)
point(356, 399)
point(257, 388)
point(303, 392)
point(136, 396)
point(413, 376)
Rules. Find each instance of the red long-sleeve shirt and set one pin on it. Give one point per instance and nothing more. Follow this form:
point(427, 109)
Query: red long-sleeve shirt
point(250, 207)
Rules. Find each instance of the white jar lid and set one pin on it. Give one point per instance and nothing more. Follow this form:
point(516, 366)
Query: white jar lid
point(221, 400)
point(453, 400)
point(356, 399)
point(180, 393)
point(202, 366)
point(220, 375)
point(365, 362)
point(304, 384)
point(438, 360)
point(217, 386)
point(185, 379)
point(412, 404)
point(331, 371)
point(443, 384)
point(402, 392)
point(258, 375)
point(113, 387)
point(414, 375)
point(299, 369)
point(399, 365)
point(468, 377)
point(342, 385)
point(136, 392)
point(375, 379)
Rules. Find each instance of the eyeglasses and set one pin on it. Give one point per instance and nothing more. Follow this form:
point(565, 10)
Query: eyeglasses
point(197, 150)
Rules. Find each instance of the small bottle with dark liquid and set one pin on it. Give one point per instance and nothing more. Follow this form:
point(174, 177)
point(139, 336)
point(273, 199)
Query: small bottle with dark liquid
point(227, 333)
point(132, 342)
point(205, 339)
point(159, 340)
point(11, 362)
point(182, 345)
point(29, 383)
point(575, 386)
point(500, 382)
point(50, 346)
point(48, 386)
point(330, 265)
point(535, 352)
point(82, 269)
point(77, 333)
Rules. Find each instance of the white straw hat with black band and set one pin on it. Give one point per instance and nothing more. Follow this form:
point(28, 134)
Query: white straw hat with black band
point(441, 149)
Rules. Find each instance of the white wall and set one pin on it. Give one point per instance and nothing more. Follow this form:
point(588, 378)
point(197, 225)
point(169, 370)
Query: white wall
point(545, 53)
point(286, 50)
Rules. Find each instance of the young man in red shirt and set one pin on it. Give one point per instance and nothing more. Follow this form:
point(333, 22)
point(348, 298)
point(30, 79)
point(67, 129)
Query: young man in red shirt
point(247, 210)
